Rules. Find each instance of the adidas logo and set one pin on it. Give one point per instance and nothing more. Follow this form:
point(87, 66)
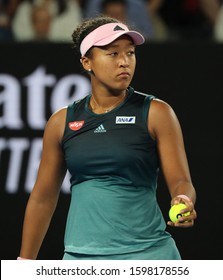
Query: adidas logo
point(100, 129)
point(118, 28)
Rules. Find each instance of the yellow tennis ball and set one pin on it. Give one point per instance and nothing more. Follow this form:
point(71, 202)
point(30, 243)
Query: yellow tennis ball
point(175, 214)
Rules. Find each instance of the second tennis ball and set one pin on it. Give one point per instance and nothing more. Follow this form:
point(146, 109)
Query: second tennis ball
point(175, 214)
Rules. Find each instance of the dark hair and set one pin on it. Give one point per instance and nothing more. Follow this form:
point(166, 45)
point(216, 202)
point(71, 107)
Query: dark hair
point(86, 27)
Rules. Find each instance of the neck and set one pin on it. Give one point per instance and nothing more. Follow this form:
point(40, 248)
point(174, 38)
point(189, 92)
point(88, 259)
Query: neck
point(108, 103)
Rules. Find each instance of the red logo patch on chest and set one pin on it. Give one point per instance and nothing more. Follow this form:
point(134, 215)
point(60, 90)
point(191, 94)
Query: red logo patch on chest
point(76, 125)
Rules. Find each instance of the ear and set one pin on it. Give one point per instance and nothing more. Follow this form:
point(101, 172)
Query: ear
point(86, 63)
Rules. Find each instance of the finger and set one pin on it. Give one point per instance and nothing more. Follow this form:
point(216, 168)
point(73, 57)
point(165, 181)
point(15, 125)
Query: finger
point(186, 224)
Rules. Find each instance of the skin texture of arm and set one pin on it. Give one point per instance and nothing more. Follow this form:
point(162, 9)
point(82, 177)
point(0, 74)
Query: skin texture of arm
point(44, 196)
point(165, 129)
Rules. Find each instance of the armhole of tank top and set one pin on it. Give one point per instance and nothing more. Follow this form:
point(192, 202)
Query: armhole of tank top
point(146, 107)
point(69, 108)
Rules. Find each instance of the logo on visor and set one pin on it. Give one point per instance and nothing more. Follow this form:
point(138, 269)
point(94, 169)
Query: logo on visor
point(118, 28)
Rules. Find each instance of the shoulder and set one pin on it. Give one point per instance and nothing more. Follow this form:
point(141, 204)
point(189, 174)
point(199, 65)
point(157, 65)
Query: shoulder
point(58, 116)
point(160, 108)
point(56, 123)
point(161, 117)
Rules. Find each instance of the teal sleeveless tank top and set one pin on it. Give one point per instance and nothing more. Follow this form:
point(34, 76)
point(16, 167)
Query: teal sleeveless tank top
point(114, 165)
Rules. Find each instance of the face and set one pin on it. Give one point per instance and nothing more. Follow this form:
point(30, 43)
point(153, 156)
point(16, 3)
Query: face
point(113, 65)
point(41, 22)
point(116, 10)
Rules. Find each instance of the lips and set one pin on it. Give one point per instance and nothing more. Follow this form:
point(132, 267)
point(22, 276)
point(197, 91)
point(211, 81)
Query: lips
point(124, 74)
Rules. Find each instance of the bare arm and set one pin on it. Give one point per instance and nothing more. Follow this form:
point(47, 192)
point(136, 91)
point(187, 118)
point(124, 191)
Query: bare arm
point(44, 196)
point(166, 130)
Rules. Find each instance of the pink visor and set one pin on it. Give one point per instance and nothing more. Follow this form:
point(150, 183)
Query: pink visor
point(106, 34)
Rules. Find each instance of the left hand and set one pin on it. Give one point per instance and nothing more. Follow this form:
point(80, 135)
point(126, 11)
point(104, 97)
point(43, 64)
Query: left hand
point(184, 221)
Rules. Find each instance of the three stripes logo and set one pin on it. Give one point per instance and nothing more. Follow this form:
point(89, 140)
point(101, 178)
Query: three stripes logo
point(100, 129)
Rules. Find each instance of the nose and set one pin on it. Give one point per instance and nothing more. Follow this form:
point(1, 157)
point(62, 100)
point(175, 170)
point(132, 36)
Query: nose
point(124, 61)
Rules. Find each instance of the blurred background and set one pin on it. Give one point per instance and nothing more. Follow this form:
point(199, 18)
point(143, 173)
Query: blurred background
point(181, 63)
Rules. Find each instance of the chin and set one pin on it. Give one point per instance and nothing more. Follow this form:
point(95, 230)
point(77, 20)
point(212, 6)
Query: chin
point(123, 86)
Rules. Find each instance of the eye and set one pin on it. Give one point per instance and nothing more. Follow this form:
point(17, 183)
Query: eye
point(113, 54)
point(131, 53)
